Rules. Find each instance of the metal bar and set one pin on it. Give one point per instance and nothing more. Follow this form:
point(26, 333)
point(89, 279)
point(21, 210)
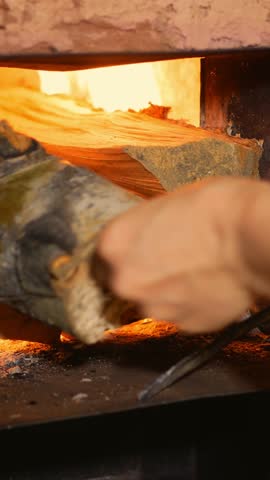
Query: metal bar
point(191, 362)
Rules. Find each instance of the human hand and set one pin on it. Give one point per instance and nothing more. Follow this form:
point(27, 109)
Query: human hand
point(184, 256)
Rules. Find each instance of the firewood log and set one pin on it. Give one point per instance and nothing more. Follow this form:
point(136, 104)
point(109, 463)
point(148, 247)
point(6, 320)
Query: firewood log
point(50, 215)
point(143, 154)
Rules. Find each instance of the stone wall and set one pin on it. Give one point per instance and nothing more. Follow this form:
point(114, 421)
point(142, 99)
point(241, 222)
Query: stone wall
point(83, 26)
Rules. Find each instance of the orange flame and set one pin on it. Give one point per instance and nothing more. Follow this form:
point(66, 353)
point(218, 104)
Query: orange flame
point(173, 82)
point(109, 88)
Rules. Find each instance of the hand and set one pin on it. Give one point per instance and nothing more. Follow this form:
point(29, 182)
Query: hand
point(190, 256)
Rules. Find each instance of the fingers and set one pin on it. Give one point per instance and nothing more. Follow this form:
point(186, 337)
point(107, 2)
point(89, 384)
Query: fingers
point(121, 233)
point(177, 256)
point(157, 242)
point(204, 303)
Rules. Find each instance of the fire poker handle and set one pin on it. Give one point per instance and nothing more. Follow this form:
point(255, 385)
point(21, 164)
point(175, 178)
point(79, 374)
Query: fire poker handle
point(197, 359)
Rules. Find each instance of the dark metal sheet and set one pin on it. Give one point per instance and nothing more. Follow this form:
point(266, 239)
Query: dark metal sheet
point(40, 383)
point(77, 61)
point(216, 438)
point(235, 95)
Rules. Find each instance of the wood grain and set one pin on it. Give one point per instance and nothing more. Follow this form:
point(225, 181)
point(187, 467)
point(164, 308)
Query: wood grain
point(97, 140)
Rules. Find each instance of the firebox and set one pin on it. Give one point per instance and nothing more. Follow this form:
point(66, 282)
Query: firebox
point(116, 88)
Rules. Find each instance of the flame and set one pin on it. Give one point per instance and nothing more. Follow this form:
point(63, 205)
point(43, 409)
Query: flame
point(67, 338)
point(132, 332)
point(111, 88)
point(142, 329)
point(175, 83)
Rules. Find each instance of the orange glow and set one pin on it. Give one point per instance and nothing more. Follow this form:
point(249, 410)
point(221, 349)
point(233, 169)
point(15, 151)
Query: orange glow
point(7, 345)
point(174, 83)
point(137, 330)
point(141, 329)
point(109, 88)
point(16, 327)
point(67, 338)
point(17, 356)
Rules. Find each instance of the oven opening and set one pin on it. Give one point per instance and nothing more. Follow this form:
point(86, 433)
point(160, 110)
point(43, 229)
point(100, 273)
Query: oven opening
point(127, 122)
point(147, 128)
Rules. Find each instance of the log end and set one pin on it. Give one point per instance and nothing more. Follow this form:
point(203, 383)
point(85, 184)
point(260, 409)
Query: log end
point(90, 311)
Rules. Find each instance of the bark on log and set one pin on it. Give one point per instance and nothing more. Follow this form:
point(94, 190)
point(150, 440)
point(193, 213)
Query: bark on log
point(173, 152)
point(50, 215)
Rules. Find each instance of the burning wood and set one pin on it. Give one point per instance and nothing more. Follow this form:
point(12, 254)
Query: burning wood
point(143, 154)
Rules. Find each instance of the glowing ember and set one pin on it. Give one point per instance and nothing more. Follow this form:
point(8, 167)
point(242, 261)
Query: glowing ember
point(67, 338)
point(142, 329)
point(17, 327)
point(17, 356)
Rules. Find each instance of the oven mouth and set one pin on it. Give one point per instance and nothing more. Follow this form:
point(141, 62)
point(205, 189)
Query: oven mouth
point(52, 380)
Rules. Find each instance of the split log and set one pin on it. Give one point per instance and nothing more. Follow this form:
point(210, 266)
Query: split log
point(168, 153)
point(50, 216)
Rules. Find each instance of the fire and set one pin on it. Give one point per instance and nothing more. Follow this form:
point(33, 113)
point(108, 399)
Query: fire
point(132, 332)
point(111, 88)
point(67, 338)
point(175, 83)
point(15, 326)
point(141, 330)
